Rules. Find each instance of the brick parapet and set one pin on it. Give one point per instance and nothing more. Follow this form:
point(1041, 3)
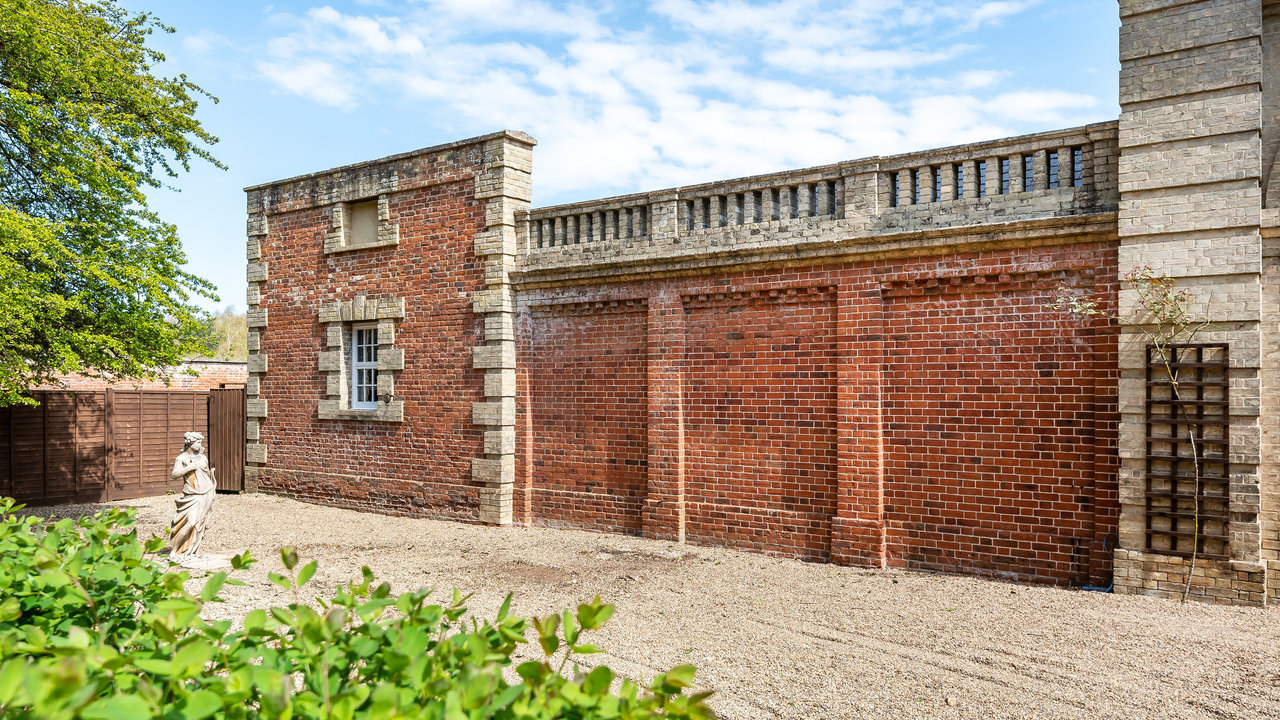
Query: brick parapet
point(190, 375)
point(822, 204)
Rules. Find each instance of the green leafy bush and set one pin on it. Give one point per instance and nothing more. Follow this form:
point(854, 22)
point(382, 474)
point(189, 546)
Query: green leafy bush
point(91, 628)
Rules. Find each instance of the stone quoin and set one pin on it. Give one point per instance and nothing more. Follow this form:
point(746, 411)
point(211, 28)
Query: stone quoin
point(858, 363)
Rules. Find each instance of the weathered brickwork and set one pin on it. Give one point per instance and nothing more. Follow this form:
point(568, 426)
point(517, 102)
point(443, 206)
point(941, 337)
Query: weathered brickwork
point(760, 419)
point(1001, 424)
point(778, 446)
point(860, 362)
point(191, 375)
point(585, 409)
point(420, 462)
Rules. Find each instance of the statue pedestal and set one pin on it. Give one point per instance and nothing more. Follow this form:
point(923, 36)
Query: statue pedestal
point(203, 562)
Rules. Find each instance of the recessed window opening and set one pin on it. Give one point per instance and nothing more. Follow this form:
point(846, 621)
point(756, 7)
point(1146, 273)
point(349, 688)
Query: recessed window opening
point(1077, 167)
point(723, 216)
point(706, 212)
point(958, 189)
point(936, 173)
point(758, 206)
point(363, 220)
point(1053, 169)
point(981, 172)
point(364, 367)
point(1028, 173)
point(776, 211)
point(833, 190)
point(795, 200)
point(893, 190)
point(1005, 174)
point(688, 215)
point(630, 223)
point(739, 207)
point(915, 187)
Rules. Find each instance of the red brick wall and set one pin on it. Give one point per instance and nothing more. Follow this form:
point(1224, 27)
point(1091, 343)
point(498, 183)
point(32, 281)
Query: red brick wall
point(760, 421)
point(990, 405)
point(587, 407)
point(421, 466)
point(931, 413)
point(209, 374)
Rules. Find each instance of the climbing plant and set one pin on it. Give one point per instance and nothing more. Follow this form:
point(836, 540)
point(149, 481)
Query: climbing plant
point(1164, 318)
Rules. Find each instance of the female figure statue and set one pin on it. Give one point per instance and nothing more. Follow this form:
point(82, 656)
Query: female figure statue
point(195, 506)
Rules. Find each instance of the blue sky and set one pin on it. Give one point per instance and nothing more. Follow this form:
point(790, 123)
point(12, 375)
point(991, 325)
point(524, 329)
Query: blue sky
point(622, 96)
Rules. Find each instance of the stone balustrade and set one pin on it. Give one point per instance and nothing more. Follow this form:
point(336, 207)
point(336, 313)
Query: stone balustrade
point(1054, 174)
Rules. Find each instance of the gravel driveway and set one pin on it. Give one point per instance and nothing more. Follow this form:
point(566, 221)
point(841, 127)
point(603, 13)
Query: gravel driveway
point(787, 639)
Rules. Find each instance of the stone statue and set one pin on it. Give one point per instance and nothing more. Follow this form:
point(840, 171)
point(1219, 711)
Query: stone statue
point(195, 506)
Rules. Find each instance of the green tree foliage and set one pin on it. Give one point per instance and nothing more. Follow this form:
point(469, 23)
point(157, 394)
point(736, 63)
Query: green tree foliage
point(226, 336)
point(92, 629)
point(91, 279)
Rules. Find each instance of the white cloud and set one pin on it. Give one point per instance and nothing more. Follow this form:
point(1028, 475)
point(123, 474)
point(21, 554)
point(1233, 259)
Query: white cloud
point(691, 92)
point(314, 79)
point(990, 12)
point(203, 42)
point(1053, 106)
point(974, 79)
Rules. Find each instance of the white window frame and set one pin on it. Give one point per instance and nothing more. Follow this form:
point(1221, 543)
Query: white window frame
point(369, 362)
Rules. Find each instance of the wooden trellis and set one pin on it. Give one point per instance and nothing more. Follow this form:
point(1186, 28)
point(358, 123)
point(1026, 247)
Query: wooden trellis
point(1186, 419)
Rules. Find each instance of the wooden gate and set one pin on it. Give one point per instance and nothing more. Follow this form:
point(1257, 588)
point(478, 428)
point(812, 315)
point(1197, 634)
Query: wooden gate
point(90, 446)
point(225, 444)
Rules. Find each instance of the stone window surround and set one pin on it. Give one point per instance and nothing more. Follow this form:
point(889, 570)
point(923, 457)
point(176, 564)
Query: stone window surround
point(338, 317)
point(338, 237)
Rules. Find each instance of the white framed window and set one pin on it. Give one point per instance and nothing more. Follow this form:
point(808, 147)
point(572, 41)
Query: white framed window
point(364, 366)
point(362, 360)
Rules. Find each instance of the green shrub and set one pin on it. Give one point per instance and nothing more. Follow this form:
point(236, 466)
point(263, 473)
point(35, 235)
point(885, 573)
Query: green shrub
point(91, 628)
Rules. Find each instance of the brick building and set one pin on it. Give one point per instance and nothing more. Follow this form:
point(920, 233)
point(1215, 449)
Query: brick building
point(860, 362)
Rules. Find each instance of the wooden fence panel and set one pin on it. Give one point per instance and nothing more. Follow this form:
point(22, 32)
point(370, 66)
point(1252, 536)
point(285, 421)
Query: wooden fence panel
point(27, 447)
point(6, 454)
point(59, 446)
point(126, 442)
point(90, 446)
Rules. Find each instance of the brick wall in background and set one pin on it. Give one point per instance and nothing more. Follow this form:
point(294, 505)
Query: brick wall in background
point(587, 398)
point(998, 423)
point(208, 374)
point(760, 419)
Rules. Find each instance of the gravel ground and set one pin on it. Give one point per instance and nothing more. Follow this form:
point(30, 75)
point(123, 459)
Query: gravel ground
point(780, 638)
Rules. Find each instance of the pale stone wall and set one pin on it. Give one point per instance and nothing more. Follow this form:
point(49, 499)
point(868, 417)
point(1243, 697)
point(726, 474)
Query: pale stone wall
point(1271, 100)
point(1191, 162)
